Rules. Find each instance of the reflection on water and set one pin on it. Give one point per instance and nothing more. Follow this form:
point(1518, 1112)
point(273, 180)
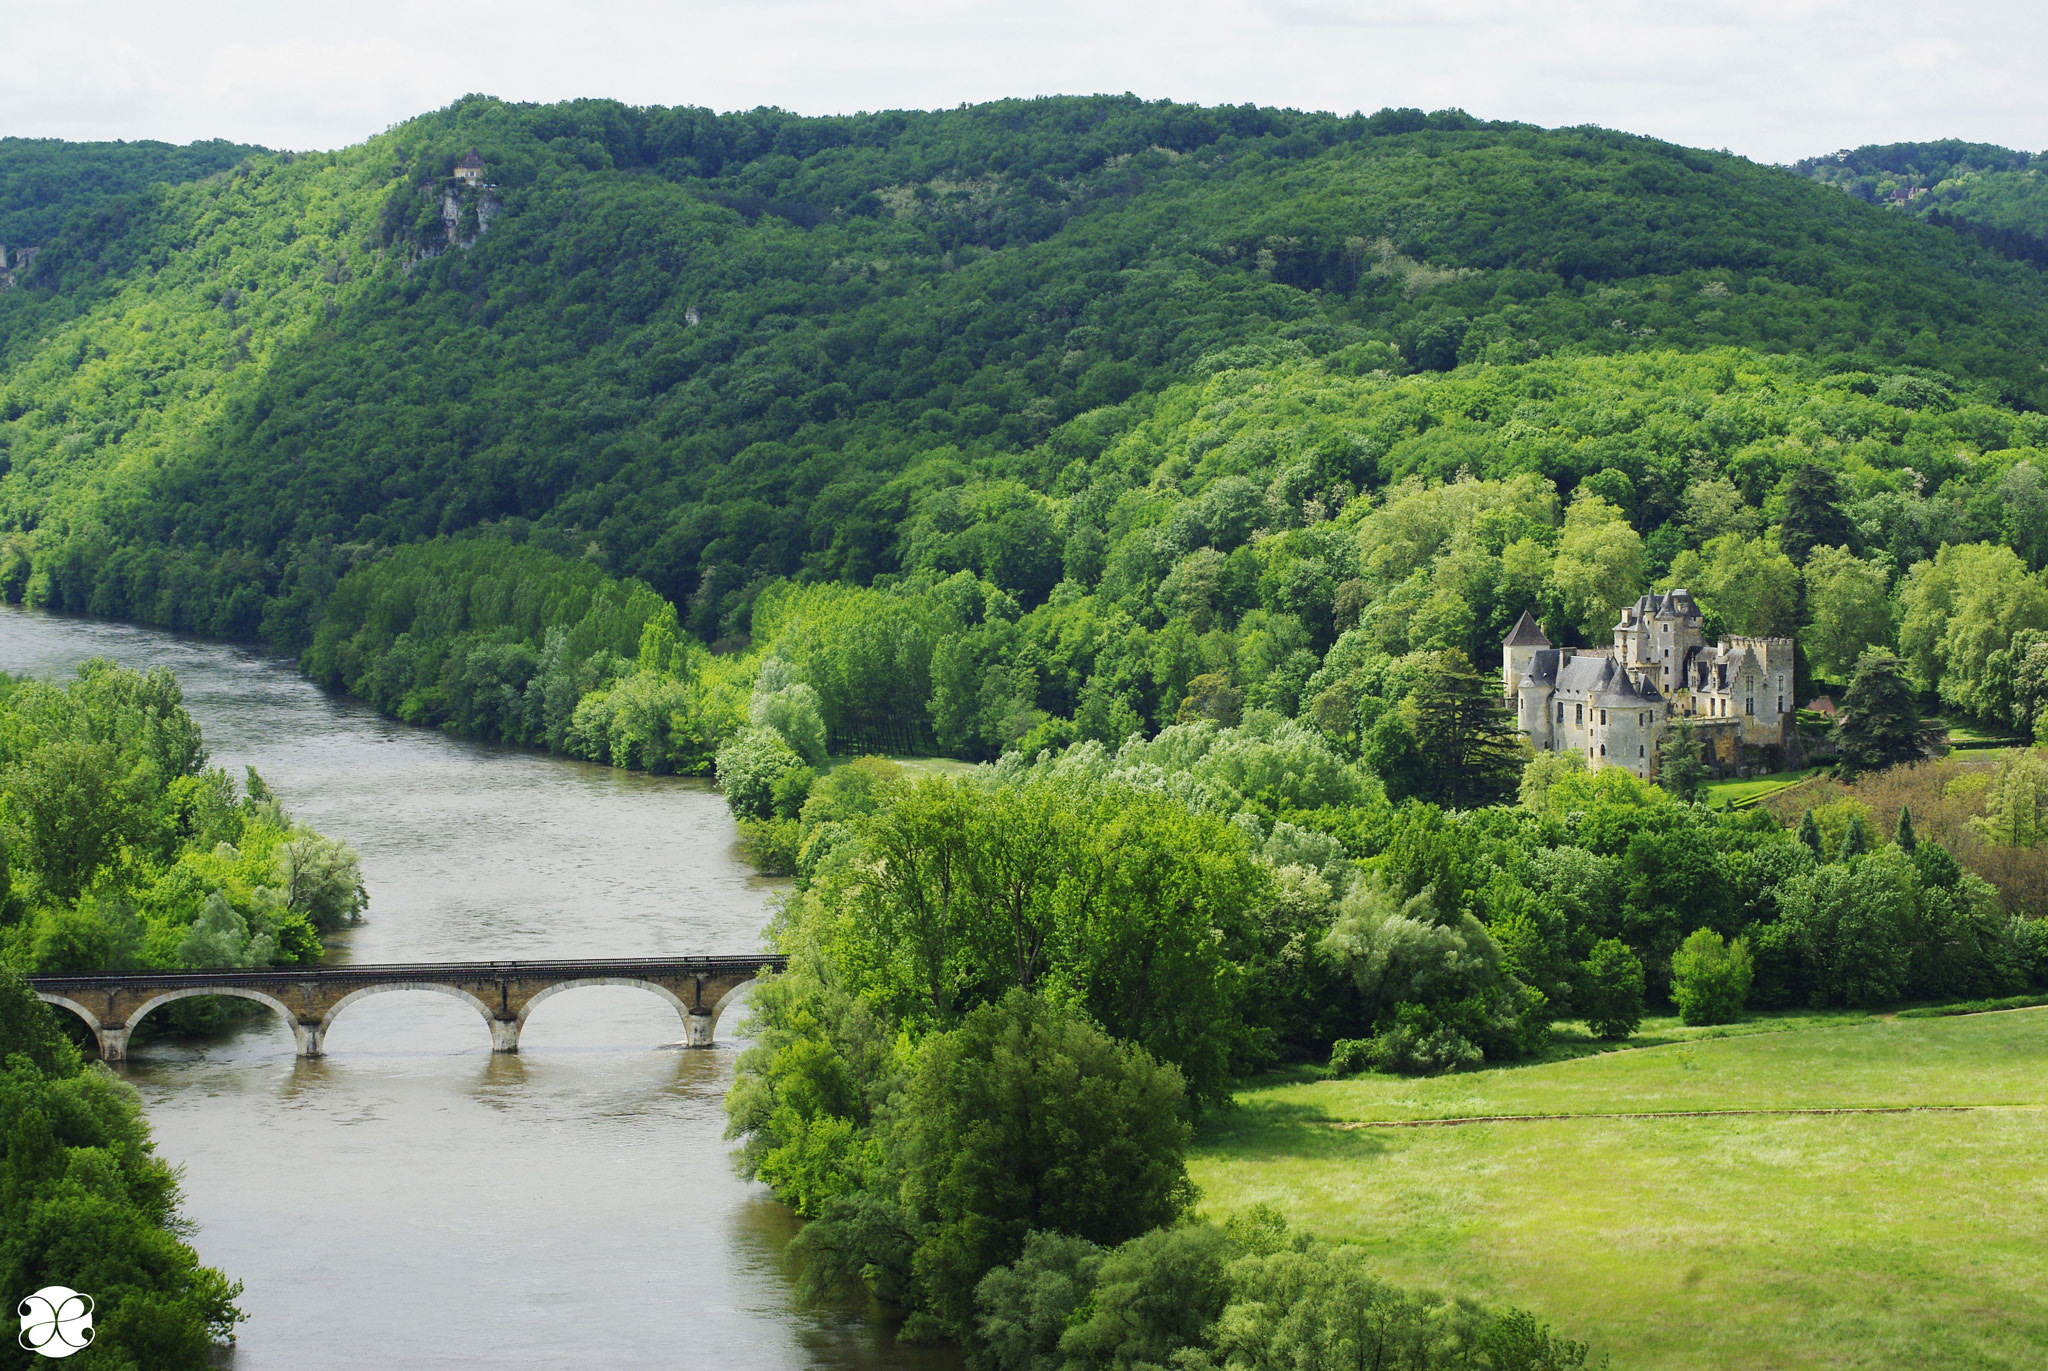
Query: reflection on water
point(413, 1199)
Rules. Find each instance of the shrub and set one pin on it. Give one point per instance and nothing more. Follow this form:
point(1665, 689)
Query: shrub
point(1432, 984)
point(786, 797)
point(748, 768)
point(1025, 1117)
point(1025, 1307)
point(771, 846)
point(1610, 990)
point(1710, 978)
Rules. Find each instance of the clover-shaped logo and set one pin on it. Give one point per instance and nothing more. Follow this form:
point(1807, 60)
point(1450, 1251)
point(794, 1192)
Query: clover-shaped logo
point(56, 1321)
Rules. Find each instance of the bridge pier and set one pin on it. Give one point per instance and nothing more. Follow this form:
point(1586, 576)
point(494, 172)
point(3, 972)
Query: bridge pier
point(697, 1029)
point(504, 1035)
point(113, 1039)
point(310, 1037)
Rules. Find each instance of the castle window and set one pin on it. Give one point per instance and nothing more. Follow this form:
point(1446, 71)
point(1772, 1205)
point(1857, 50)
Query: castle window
point(1603, 718)
point(1642, 751)
point(1781, 704)
point(1603, 749)
point(1749, 705)
point(1560, 711)
point(1578, 716)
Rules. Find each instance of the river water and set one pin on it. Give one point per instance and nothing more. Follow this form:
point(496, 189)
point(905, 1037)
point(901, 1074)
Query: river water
point(412, 1199)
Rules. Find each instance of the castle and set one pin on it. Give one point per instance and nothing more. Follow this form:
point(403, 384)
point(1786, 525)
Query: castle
point(21, 261)
point(1615, 705)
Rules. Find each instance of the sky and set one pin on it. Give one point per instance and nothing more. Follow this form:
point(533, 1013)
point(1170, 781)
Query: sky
point(1774, 80)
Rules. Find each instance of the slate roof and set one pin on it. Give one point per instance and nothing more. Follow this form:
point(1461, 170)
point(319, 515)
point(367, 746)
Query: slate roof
point(1676, 603)
point(1525, 633)
point(1595, 675)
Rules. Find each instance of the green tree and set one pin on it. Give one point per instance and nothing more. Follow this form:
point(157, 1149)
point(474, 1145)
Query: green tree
point(1026, 1117)
point(1813, 513)
point(1395, 755)
point(1609, 993)
point(792, 711)
point(1855, 841)
point(1959, 609)
point(1904, 835)
point(1544, 771)
point(1025, 1307)
point(1878, 725)
point(1847, 608)
point(1851, 923)
point(1710, 978)
point(77, 803)
point(1599, 565)
point(84, 1201)
point(1745, 583)
point(2016, 806)
point(1809, 835)
point(748, 768)
point(1680, 769)
point(1156, 1295)
point(1471, 754)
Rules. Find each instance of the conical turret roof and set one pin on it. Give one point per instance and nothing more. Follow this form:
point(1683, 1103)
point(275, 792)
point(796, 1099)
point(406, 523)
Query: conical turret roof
point(1525, 633)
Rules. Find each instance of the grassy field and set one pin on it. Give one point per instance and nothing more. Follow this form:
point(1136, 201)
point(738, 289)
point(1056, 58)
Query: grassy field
point(1745, 1240)
point(1967, 733)
point(1751, 788)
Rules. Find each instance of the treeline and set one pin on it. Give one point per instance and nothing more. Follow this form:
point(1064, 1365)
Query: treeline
point(120, 848)
point(1286, 537)
point(644, 355)
point(85, 1203)
point(45, 181)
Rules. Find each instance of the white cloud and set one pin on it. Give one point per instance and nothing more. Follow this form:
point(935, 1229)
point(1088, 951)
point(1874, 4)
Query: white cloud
point(1774, 79)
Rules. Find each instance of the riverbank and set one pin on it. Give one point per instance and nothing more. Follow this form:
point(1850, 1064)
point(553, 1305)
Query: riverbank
point(353, 1194)
point(1717, 1236)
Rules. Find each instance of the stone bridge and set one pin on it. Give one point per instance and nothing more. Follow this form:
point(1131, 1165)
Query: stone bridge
point(505, 993)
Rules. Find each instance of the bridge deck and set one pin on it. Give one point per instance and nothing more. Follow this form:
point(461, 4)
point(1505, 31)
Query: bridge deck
point(112, 1003)
point(373, 973)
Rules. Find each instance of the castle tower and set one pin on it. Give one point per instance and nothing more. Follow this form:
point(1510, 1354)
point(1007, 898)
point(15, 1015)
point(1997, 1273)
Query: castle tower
point(1524, 641)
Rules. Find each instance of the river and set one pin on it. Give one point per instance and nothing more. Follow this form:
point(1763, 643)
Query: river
point(412, 1199)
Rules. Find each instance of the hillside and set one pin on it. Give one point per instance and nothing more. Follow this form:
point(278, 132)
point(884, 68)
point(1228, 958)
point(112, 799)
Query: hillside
point(43, 181)
point(707, 350)
point(1992, 195)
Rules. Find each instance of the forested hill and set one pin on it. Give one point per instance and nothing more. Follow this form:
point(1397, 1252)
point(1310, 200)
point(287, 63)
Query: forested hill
point(707, 350)
point(1994, 195)
point(44, 181)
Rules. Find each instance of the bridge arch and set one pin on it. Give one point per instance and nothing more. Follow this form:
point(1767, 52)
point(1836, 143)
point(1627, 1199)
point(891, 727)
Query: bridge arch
point(240, 992)
point(559, 986)
point(499, 1029)
point(91, 1019)
point(718, 1009)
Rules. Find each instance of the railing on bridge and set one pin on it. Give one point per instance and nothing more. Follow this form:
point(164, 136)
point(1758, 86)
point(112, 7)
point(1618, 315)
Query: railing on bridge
point(505, 992)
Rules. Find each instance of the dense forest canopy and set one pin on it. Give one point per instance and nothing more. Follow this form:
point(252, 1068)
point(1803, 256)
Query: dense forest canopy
point(45, 181)
point(705, 350)
point(1994, 195)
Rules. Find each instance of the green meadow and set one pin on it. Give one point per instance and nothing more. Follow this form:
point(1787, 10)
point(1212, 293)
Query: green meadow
point(1734, 1239)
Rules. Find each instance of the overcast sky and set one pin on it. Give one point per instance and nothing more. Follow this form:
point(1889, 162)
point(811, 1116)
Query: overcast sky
point(1773, 79)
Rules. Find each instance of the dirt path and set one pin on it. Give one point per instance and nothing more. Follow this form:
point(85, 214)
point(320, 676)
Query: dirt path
point(1348, 1125)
